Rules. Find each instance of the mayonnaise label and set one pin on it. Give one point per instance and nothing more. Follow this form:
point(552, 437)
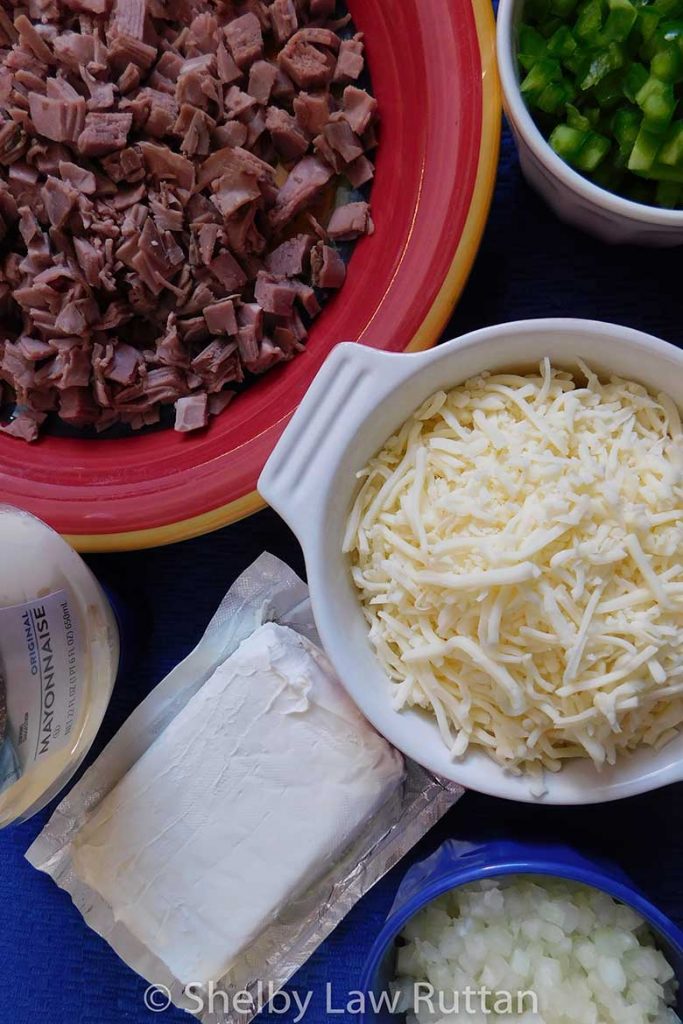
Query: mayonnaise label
point(41, 672)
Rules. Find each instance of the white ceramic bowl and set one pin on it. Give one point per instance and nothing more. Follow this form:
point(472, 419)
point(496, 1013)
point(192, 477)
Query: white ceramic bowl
point(358, 399)
point(573, 198)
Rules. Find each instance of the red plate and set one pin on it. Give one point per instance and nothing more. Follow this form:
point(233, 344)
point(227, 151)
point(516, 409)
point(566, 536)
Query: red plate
point(433, 72)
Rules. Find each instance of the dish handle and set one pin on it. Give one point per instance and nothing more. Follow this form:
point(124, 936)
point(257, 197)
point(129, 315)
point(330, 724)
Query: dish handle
point(352, 381)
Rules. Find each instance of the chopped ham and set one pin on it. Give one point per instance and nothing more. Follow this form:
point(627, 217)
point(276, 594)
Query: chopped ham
point(220, 317)
point(238, 103)
point(303, 183)
point(284, 20)
point(230, 135)
point(312, 111)
point(125, 363)
point(262, 75)
point(125, 50)
point(350, 221)
point(245, 39)
point(343, 140)
point(74, 49)
point(32, 39)
point(235, 190)
point(165, 165)
point(359, 108)
point(125, 166)
point(350, 62)
point(163, 111)
point(104, 133)
point(288, 259)
point(307, 64)
point(82, 180)
point(229, 159)
point(227, 70)
point(283, 89)
point(24, 425)
point(328, 269)
point(274, 294)
point(191, 412)
point(269, 355)
point(129, 79)
point(77, 406)
point(129, 18)
point(154, 159)
point(288, 139)
point(228, 271)
point(307, 298)
point(60, 200)
point(360, 171)
point(57, 119)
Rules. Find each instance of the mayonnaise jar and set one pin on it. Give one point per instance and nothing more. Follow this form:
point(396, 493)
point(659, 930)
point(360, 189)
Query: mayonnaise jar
point(59, 654)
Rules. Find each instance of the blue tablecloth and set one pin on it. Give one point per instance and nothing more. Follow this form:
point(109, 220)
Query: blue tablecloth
point(52, 967)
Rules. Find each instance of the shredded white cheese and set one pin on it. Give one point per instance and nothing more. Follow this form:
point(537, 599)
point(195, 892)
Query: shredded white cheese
point(518, 548)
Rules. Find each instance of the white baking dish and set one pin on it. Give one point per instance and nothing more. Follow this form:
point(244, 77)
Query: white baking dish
point(358, 399)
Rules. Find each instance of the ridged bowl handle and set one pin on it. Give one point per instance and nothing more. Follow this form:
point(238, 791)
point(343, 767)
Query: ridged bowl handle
point(352, 381)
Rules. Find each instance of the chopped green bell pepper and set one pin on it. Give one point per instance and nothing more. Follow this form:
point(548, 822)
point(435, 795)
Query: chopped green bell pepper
point(620, 20)
point(671, 150)
point(657, 102)
point(604, 79)
point(644, 151)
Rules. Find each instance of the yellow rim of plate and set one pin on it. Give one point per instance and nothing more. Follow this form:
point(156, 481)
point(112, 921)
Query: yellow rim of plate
point(427, 334)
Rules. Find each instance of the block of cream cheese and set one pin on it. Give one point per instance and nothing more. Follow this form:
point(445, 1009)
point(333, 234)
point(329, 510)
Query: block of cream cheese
point(249, 795)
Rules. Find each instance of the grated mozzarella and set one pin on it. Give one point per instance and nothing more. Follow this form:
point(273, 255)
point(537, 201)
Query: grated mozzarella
point(518, 548)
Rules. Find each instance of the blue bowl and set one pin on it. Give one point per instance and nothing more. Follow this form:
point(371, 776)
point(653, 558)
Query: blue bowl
point(456, 863)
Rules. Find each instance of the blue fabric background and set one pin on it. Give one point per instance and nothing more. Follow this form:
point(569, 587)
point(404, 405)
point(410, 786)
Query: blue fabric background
point(53, 969)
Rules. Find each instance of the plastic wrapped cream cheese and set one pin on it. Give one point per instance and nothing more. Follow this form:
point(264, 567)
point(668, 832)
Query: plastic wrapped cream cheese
point(240, 812)
point(59, 654)
point(246, 798)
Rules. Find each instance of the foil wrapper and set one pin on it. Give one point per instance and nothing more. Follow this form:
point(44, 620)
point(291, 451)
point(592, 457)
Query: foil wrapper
point(267, 592)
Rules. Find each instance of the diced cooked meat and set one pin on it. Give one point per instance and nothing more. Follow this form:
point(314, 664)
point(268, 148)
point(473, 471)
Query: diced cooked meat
point(25, 424)
point(158, 164)
point(312, 111)
point(245, 39)
point(103, 133)
point(59, 199)
point(262, 76)
point(328, 269)
point(350, 221)
point(350, 62)
point(343, 140)
point(228, 271)
point(220, 317)
point(284, 19)
point(359, 108)
point(274, 294)
point(129, 18)
point(164, 164)
point(286, 136)
point(58, 119)
point(303, 183)
point(308, 63)
point(360, 171)
point(192, 412)
point(288, 259)
point(124, 364)
point(81, 179)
